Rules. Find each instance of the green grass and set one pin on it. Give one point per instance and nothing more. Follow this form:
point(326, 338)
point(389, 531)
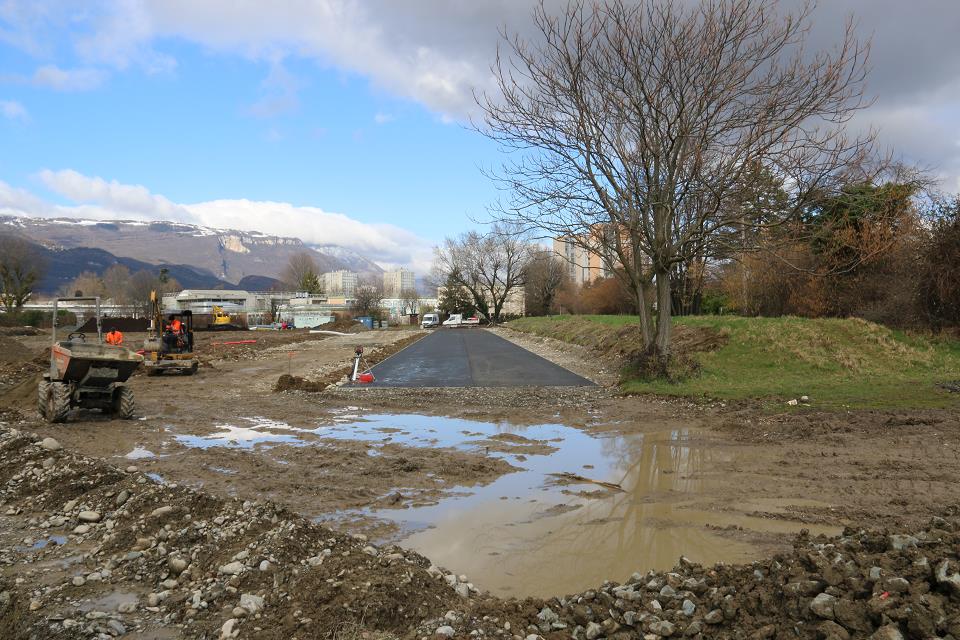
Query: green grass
point(837, 362)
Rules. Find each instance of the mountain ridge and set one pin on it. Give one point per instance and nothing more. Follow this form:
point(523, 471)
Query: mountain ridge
point(228, 255)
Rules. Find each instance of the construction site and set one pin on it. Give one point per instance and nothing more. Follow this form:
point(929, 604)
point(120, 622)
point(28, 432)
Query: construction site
point(483, 482)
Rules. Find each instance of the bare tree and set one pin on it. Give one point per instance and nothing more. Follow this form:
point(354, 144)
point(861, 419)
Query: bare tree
point(142, 283)
point(21, 267)
point(490, 266)
point(302, 274)
point(367, 297)
point(410, 301)
point(545, 276)
point(636, 124)
point(86, 284)
point(115, 283)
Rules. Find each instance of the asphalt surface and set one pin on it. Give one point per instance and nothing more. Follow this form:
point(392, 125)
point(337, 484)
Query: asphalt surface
point(470, 358)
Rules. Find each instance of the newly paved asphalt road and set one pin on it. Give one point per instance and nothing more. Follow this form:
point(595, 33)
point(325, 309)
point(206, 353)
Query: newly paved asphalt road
point(470, 358)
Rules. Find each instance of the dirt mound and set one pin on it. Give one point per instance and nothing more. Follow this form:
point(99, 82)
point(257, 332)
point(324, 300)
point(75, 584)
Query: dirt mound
point(625, 341)
point(126, 325)
point(21, 331)
point(12, 351)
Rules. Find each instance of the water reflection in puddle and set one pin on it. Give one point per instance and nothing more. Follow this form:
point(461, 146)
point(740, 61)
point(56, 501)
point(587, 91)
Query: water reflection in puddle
point(583, 507)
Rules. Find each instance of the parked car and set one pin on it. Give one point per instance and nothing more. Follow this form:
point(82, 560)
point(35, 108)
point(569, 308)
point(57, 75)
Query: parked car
point(430, 321)
point(457, 320)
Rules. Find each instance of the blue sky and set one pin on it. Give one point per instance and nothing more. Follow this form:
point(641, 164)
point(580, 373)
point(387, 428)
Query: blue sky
point(338, 121)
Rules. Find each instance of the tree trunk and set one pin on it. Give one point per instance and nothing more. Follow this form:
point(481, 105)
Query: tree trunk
point(646, 316)
point(664, 300)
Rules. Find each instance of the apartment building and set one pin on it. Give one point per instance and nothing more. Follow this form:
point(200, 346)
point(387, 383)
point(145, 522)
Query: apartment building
point(583, 266)
point(397, 281)
point(342, 282)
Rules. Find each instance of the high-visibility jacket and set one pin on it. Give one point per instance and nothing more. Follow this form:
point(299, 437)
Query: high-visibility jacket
point(115, 337)
point(176, 326)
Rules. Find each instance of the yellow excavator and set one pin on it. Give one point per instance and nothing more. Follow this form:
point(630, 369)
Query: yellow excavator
point(221, 320)
point(169, 343)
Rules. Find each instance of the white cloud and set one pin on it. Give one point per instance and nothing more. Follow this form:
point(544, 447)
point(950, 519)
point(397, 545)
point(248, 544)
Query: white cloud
point(83, 79)
point(384, 118)
point(100, 199)
point(13, 110)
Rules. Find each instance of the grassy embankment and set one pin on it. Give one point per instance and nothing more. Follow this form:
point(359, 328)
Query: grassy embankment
point(838, 363)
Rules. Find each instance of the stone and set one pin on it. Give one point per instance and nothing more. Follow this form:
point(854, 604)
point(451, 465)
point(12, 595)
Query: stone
point(593, 631)
point(875, 573)
point(227, 631)
point(69, 505)
point(233, 568)
point(822, 606)
point(251, 602)
point(694, 628)
point(534, 636)
point(764, 633)
point(81, 529)
point(547, 616)
point(887, 632)
point(793, 402)
point(947, 578)
point(35, 604)
point(462, 590)
point(89, 516)
point(900, 542)
point(663, 628)
point(688, 608)
point(176, 565)
point(668, 592)
point(127, 607)
point(51, 444)
point(265, 565)
point(131, 469)
point(162, 511)
point(434, 571)
point(852, 615)
point(714, 617)
point(154, 599)
point(830, 630)
point(79, 581)
point(94, 577)
point(446, 631)
point(169, 583)
point(897, 585)
point(122, 498)
point(370, 550)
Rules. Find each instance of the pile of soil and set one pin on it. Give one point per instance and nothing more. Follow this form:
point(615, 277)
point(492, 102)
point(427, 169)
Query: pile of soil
point(87, 548)
point(21, 331)
point(341, 375)
point(12, 351)
point(126, 325)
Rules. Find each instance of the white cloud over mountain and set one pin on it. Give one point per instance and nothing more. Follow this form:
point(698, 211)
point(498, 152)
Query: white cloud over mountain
point(99, 199)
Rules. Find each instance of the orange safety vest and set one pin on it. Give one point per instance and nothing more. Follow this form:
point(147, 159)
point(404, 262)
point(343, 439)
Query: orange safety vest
point(115, 338)
point(175, 326)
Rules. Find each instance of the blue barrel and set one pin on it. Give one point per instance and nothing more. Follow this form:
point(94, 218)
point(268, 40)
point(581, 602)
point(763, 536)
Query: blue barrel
point(367, 321)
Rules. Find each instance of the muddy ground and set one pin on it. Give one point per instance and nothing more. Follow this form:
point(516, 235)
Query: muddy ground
point(668, 478)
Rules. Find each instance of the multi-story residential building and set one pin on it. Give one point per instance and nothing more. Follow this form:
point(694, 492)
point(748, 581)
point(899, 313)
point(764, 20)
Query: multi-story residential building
point(340, 282)
point(397, 281)
point(583, 266)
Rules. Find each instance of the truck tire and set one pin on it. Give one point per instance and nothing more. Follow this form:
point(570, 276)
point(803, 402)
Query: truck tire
point(123, 403)
point(43, 390)
point(58, 402)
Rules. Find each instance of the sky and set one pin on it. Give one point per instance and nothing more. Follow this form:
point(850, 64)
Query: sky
point(339, 121)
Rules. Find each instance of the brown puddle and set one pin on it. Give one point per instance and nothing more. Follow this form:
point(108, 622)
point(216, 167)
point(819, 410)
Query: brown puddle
point(584, 507)
point(551, 538)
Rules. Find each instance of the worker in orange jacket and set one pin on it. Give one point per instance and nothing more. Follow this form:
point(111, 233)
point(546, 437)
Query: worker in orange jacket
point(114, 337)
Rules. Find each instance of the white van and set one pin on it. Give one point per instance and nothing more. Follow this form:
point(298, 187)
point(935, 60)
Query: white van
point(430, 321)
